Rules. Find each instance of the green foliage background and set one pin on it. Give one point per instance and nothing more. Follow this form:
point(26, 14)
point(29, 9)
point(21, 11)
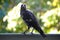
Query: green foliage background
point(46, 11)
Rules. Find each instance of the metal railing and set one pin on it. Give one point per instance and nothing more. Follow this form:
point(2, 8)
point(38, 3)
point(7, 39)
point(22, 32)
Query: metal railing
point(17, 36)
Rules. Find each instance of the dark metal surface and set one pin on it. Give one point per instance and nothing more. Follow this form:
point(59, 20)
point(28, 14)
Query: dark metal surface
point(15, 36)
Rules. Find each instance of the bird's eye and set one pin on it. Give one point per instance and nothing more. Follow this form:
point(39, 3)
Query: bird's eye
point(23, 5)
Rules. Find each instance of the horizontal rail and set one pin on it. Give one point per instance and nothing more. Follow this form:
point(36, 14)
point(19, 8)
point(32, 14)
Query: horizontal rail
point(18, 36)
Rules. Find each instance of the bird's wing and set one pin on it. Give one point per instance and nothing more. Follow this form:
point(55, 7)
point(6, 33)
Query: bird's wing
point(31, 15)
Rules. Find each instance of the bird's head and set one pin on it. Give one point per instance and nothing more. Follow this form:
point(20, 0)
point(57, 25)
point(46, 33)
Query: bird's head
point(23, 7)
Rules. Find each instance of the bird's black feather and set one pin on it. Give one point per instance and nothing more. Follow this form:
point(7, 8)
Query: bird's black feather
point(30, 19)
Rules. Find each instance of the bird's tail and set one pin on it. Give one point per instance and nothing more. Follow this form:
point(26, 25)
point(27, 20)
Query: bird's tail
point(40, 31)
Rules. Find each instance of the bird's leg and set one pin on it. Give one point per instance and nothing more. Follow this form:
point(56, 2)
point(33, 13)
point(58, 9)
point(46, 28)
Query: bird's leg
point(26, 30)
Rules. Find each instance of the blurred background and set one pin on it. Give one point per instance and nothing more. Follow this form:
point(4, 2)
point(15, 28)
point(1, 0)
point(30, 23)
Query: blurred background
point(46, 11)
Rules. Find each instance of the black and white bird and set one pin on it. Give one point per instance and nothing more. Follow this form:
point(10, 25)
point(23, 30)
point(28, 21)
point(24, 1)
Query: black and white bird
point(31, 21)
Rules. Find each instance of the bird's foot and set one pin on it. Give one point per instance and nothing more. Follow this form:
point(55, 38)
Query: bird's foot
point(24, 33)
point(32, 33)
